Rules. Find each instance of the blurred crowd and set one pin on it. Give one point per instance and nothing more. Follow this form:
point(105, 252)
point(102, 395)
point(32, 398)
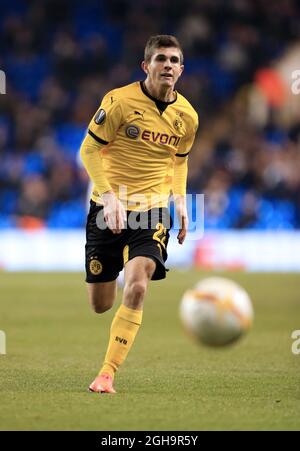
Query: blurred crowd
point(61, 56)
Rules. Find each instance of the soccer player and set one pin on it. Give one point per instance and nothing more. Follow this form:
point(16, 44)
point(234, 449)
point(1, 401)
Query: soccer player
point(136, 153)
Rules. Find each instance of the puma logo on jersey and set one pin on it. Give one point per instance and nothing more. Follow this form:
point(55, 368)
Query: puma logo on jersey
point(138, 113)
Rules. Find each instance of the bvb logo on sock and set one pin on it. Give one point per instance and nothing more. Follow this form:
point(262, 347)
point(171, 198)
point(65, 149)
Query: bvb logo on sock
point(95, 267)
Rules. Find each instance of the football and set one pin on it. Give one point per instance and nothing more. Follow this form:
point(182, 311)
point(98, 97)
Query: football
point(216, 312)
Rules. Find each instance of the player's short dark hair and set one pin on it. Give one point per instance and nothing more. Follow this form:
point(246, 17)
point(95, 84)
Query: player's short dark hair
point(161, 40)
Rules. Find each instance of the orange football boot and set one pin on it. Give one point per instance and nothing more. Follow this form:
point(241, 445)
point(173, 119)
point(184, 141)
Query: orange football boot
point(102, 384)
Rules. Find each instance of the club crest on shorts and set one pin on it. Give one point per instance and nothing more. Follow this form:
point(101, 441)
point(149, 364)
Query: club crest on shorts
point(100, 116)
point(95, 267)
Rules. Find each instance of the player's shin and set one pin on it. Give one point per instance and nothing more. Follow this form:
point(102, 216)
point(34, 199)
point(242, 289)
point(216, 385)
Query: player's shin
point(123, 331)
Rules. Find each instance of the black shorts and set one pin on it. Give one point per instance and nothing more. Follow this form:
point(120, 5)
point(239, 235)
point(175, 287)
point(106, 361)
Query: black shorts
point(146, 234)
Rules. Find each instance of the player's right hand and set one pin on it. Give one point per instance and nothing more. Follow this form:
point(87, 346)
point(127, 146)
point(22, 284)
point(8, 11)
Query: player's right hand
point(114, 212)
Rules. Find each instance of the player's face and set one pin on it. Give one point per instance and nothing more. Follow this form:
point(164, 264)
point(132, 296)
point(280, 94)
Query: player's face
point(164, 69)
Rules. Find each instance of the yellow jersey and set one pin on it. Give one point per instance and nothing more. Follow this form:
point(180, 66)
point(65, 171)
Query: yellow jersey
point(142, 137)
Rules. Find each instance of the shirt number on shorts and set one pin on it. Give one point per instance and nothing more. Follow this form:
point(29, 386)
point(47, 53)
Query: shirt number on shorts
point(161, 234)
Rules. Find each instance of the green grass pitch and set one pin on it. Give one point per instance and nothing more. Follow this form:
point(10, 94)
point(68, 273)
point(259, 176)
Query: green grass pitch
point(55, 345)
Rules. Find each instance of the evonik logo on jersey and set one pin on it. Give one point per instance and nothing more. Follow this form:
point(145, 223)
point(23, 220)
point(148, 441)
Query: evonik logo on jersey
point(132, 131)
point(161, 138)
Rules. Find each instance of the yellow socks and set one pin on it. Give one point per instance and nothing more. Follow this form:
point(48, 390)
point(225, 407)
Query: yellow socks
point(124, 328)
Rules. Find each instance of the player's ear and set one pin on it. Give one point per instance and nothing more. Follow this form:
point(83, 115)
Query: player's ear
point(144, 67)
point(181, 69)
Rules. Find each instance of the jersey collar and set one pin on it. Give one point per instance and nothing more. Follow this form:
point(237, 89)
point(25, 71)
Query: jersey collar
point(161, 105)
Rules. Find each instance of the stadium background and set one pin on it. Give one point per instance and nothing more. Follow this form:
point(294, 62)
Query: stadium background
point(60, 57)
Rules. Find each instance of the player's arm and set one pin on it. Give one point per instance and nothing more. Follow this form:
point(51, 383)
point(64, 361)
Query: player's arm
point(179, 194)
point(180, 179)
point(90, 153)
point(102, 130)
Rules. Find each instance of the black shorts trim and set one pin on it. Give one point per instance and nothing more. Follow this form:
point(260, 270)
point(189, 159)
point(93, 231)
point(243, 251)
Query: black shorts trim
point(90, 279)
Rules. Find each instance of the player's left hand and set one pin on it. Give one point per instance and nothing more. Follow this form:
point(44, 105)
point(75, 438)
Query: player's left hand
point(181, 211)
point(184, 223)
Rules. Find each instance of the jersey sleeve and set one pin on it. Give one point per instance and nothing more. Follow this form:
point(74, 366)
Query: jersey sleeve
point(187, 141)
point(107, 120)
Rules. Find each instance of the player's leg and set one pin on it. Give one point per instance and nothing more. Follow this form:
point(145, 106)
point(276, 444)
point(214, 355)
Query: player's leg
point(102, 295)
point(103, 262)
point(144, 254)
point(138, 273)
point(127, 320)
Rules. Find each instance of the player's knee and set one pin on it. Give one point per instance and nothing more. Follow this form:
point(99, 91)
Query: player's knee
point(135, 292)
point(101, 296)
point(102, 308)
point(100, 304)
